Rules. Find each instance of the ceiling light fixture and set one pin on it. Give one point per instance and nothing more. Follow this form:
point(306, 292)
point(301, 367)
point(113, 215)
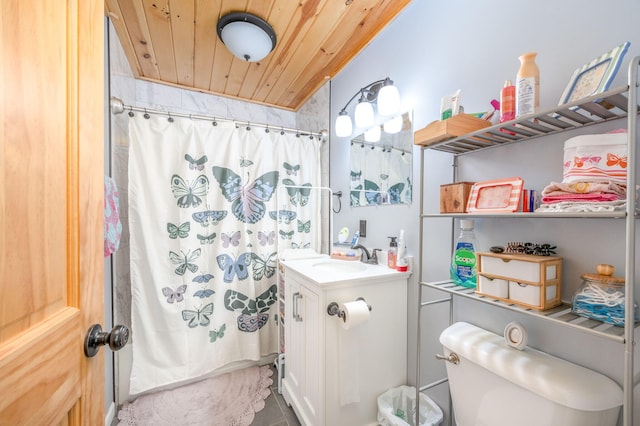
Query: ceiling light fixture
point(382, 92)
point(247, 36)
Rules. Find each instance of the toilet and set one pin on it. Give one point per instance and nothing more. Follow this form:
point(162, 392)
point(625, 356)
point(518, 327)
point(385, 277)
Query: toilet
point(494, 384)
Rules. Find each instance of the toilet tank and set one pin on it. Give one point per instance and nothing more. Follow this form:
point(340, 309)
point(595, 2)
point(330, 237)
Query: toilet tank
point(497, 385)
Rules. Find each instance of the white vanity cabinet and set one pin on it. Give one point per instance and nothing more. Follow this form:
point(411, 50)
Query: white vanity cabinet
point(319, 359)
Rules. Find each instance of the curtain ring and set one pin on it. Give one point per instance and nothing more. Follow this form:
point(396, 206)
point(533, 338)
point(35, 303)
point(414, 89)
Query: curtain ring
point(282, 131)
point(131, 114)
point(214, 123)
point(146, 114)
point(170, 119)
point(297, 133)
point(248, 126)
point(266, 129)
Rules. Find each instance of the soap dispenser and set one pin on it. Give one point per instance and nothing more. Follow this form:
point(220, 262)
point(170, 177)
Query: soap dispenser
point(393, 253)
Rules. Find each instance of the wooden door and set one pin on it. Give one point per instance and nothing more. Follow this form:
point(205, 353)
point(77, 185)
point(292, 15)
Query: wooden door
point(51, 210)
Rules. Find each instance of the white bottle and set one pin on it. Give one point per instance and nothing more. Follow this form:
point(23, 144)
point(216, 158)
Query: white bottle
point(463, 261)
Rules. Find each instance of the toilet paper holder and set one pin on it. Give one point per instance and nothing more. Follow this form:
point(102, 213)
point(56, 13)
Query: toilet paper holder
point(334, 309)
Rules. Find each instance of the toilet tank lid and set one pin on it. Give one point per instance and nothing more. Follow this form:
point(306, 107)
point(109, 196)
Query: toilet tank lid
point(552, 378)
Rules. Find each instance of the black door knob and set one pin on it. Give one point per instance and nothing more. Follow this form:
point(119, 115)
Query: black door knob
point(116, 339)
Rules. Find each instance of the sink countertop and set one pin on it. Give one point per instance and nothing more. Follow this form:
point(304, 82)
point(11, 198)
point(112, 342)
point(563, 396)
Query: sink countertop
point(325, 270)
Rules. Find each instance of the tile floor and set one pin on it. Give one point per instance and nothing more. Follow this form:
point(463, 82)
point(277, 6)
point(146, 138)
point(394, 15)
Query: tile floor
point(276, 412)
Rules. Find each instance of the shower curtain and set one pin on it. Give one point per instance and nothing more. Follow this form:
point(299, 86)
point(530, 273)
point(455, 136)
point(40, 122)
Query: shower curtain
point(210, 206)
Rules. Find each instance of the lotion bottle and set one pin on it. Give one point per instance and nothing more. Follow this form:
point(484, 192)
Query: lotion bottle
point(527, 85)
point(508, 102)
point(392, 256)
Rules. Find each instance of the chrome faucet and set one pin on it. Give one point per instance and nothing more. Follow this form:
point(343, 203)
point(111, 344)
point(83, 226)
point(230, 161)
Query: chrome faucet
point(367, 257)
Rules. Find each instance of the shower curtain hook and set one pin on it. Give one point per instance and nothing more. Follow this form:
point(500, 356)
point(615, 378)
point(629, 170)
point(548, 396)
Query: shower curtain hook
point(170, 119)
point(146, 114)
point(266, 128)
point(248, 126)
point(282, 131)
point(215, 122)
point(131, 114)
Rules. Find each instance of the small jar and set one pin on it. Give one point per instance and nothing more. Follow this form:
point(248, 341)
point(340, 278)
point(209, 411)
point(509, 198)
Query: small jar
point(601, 297)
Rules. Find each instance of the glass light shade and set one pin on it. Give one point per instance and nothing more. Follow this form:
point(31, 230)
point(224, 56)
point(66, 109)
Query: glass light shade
point(388, 100)
point(344, 127)
point(373, 134)
point(394, 125)
point(364, 114)
point(246, 40)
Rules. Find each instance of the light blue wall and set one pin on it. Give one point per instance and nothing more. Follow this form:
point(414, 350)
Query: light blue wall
point(434, 48)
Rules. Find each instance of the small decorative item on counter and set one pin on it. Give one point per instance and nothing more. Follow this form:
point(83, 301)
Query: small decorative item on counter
point(527, 85)
point(392, 255)
point(531, 248)
point(450, 105)
point(343, 235)
point(601, 297)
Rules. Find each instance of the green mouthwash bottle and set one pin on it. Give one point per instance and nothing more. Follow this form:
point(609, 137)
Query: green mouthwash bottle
point(463, 261)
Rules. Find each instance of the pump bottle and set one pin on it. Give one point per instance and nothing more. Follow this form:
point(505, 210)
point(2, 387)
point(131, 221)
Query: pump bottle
point(392, 256)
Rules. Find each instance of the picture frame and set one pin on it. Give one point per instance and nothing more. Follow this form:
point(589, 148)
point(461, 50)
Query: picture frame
point(594, 77)
point(495, 196)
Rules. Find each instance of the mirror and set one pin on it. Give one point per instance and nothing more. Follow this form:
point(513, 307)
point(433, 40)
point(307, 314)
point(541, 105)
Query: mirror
point(381, 171)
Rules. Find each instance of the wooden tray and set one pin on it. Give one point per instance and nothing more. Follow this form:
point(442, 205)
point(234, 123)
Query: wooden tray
point(439, 131)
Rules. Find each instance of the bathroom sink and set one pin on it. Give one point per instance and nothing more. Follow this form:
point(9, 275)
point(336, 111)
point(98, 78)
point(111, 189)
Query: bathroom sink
point(325, 270)
point(340, 266)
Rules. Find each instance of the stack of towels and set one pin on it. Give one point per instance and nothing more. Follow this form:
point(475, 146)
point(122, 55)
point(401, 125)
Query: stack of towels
point(594, 176)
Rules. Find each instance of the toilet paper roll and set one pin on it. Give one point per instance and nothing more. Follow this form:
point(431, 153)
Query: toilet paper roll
point(355, 314)
point(515, 335)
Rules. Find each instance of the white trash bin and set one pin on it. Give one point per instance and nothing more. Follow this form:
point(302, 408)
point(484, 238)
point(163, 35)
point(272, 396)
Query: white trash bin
point(397, 407)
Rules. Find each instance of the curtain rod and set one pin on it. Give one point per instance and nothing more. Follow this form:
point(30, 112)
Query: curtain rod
point(374, 145)
point(118, 107)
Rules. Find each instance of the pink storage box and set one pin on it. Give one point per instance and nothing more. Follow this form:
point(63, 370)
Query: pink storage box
point(595, 157)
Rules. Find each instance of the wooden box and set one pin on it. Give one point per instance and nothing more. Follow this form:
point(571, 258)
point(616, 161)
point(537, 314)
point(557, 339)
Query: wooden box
point(454, 197)
point(442, 130)
point(533, 281)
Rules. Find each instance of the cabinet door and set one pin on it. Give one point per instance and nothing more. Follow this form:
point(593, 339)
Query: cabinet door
point(303, 372)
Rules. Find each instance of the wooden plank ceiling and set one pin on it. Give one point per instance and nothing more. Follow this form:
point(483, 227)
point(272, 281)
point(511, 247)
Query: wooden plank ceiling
point(175, 42)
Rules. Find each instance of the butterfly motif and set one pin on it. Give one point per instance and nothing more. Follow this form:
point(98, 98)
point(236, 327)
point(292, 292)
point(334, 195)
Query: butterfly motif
point(196, 164)
point(176, 231)
point(189, 194)
point(286, 235)
point(298, 194)
point(245, 163)
point(263, 267)
point(214, 335)
point(176, 295)
point(266, 239)
point(613, 160)
point(238, 302)
point(283, 216)
point(300, 246)
point(252, 323)
point(355, 195)
point(204, 278)
point(247, 201)
point(235, 267)
point(198, 316)
point(355, 176)
point(207, 292)
point(384, 176)
point(291, 170)
point(394, 193)
point(232, 238)
point(304, 226)
point(372, 192)
point(206, 239)
point(185, 261)
point(207, 217)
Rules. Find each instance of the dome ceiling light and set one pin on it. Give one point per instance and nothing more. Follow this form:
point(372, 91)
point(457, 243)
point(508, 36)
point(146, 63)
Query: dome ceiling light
point(247, 36)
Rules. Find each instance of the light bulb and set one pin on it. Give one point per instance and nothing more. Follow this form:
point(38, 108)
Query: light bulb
point(394, 125)
point(363, 114)
point(373, 134)
point(388, 99)
point(344, 127)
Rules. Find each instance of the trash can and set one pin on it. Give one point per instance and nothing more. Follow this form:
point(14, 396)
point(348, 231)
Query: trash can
point(397, 407)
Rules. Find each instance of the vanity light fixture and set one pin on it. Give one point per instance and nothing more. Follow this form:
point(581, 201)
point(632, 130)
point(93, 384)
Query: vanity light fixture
point(373, 134)
point(393, 125)
point(247, 36)
point(382, 92)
